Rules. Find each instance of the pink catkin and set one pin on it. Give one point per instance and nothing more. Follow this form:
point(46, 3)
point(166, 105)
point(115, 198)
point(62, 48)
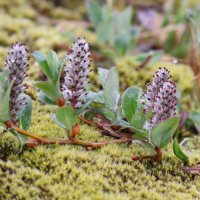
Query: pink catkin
point(161, 97)
point(16, 64)
point(76, 74)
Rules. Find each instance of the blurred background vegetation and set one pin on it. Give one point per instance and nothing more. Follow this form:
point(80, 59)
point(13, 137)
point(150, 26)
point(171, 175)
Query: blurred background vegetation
point(138, 37)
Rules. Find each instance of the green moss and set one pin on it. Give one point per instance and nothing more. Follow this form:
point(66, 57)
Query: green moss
point(58, 171)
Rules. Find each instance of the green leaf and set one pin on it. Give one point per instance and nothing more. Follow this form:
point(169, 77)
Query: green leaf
point(122, 123)
point(106, 13)
point(45, 99)
point(52, 61)
point(177, 150)
point(4, 117)
point(4, 79)
point(195, 117)
point(121, 44)
point(176, 133)
point(2, 124)
point(95, 12)
point(137, 131)
point(162, 133)
point(142, 136)
point(99, 97)
point(105, 32)
point(87, 99)
point(5, 104)
point(88, 86)
point(67, 117)
point(111, 89)
point(41, 58)
point(58, 122)
point(120, 113)
point(126, 18)
point(96, 105)
point(103, 74)
point(149, 115)
point(89, 114)
point(22, 138)
point(156, 57)
point(134, 32)
point(60, 66)
point(24, 114)
point(2, 94)
point(49, 90)
point(145, 144)
point(123, 21)
point(107, 113)
point(138, 120)
point(130, 101)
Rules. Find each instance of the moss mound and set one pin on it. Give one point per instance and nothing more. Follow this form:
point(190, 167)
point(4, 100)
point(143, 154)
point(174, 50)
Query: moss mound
point(72, 172)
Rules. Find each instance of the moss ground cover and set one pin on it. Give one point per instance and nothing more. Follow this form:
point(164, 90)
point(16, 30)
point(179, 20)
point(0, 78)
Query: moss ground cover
point(72, 172)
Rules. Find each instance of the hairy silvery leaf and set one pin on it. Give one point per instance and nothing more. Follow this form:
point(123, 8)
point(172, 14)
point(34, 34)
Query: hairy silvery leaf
point(149, 115)
point(111, 90)
point(49, 90)
point(138, 120)
point(95, 13)
point(24, 114)
point(103, 74)
point(140, 135)
point(121, 44)
point(120, 113)
point(4, 105)
point(60, 66)
point(58, 122)
point(45, 99)
point(67, 116)
point(41, 58)
point(52, 60)
point(130, 101)
point(162, 133)
point(4, 80)
point(108, 35)
point(107, 113)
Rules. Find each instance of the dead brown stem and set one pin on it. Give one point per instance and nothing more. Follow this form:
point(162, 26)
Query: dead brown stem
point(88, 122)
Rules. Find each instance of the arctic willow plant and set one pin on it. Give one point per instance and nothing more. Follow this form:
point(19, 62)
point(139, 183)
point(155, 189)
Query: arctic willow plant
point(16, 65)
point(150, 121)
point(160, 108)
point(151, 124)
point(12, 100)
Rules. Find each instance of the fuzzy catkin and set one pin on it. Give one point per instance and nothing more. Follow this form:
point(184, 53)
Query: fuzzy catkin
point(16, 64)
point(76, 74)
point(161, 97)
